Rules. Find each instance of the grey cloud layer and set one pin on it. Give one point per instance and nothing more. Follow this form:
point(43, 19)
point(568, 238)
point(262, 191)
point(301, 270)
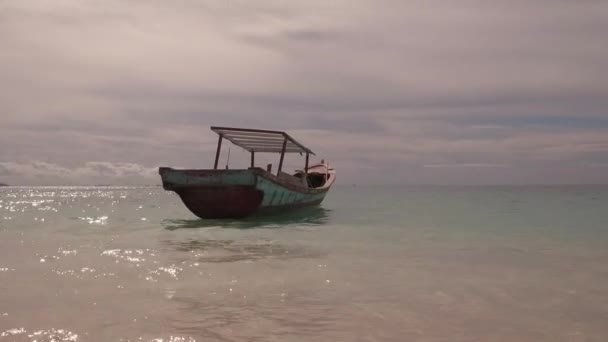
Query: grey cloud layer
point(418, 92)
point(42, 173)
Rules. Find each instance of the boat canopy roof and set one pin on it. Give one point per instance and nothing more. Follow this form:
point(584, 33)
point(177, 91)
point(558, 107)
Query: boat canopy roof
point(258, 140)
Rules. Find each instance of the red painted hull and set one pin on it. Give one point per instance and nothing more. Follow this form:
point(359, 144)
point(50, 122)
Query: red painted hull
point(235, 201)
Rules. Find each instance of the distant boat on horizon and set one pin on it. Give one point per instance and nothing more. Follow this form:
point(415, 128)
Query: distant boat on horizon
point(218, 193)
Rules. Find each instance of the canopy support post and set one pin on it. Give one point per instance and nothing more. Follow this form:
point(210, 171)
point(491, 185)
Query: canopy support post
point(282, 156)
point(252, 159)
point(306, 165)
point(217, 153)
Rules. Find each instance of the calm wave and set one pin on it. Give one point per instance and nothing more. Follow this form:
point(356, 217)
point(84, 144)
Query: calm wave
point(369, 264)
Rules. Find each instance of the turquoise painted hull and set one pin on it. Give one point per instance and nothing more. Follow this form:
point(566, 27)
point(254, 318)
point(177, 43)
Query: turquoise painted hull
point(238, 193)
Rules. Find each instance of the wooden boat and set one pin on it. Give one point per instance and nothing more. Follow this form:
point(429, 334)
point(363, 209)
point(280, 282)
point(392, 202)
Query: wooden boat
point(219, 193)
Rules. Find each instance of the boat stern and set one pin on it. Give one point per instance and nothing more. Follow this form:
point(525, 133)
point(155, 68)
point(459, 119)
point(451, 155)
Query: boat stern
point(214, 193)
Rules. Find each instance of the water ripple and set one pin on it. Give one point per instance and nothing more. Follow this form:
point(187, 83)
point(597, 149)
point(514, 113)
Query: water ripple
point(172, 270)
point(49, 335)
point(174, 339)
point(13, 332)
point(214, 251)
point(101, 220)
point(134, 256)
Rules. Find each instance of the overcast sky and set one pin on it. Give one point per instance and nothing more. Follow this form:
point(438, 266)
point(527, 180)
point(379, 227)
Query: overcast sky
point(409, 92)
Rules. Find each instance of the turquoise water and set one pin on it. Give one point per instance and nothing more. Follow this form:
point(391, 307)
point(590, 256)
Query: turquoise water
point(369, 264)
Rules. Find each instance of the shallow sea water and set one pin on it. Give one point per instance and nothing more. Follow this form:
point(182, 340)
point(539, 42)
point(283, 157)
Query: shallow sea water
point(369, 264)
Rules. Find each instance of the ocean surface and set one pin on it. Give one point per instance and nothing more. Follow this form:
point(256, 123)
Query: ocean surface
point(369, 264)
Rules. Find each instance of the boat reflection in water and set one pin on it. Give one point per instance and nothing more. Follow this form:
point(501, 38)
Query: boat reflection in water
point(310, 216)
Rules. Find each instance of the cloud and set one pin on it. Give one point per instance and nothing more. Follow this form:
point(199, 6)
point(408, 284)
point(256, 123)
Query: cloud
point(43, 173)
point(466, 165)
point(389, 86)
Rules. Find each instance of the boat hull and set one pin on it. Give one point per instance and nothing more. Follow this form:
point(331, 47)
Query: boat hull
point(237, 193)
